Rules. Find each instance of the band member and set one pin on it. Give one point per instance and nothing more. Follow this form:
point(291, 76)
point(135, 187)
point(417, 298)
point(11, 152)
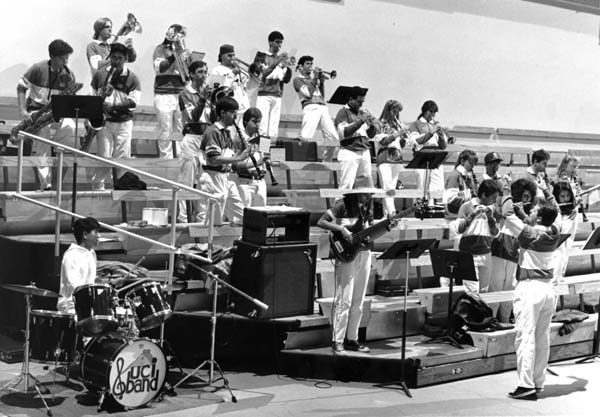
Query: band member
point(195, 106)
point(278, 71)
point(567, 222)
point(492, 162)
point(355, 208)
point(218, 150)
point(232, 76)
point(461, 184)
point(169, 61)
point(310, 88)
point(505, 246)
point(534, 298)
point(536, 172)
point(98, 50)
point(355, 128)
point(34, 89)
point(477, 225)
point(250, 181)
point(121, 90)
point(435, 137)
point(393, 137)
point(79, 262)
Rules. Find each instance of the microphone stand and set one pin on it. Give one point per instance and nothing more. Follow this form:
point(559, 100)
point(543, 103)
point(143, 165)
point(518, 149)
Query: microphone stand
point(213, 320)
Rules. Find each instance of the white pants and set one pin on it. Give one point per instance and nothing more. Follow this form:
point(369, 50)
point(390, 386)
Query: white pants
point(270, 107)
point(534, 304)
point(252, 192)
point(114, 141)
point(229, 202)
point(388, 177)
point(190, 159)
point(351, 280)
point(436, 181)
point(169, 121)
point(317, 115)
point(483, 271)
point(64, 132)
point(352, 165)
point(504, 279)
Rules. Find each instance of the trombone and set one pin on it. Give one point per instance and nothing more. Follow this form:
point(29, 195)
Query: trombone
point(247, 70)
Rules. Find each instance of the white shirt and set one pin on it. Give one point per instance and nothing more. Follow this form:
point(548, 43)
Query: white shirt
point(236, 82)
point(78, 268)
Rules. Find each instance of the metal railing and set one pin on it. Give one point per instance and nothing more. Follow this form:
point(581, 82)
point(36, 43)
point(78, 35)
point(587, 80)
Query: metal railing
point(171, 248)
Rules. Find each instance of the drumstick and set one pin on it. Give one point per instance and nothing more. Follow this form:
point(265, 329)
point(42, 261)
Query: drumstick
point(134, 266)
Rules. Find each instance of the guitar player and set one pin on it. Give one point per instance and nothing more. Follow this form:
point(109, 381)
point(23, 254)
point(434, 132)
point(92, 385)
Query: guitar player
point(351, 214)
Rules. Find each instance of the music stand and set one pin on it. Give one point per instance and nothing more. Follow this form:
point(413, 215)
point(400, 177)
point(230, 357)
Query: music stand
point(456, 265)
point(84, 107)
point(213, 320)
point(408, 249)
point(427, 159)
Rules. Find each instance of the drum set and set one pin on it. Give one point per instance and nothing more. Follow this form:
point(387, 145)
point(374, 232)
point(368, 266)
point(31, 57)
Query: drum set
point(102, 338)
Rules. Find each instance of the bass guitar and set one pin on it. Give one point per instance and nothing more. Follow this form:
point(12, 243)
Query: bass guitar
point(346, 250)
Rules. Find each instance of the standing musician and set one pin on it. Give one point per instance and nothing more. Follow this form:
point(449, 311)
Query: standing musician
point(492, 165)
point(121, 90)
point(233, 76)
point(219, 153)
point(42, 80)
point(195, 106)
point(461, 184)
point(310, 88)
point(170, 66)
point(277, 71)
point(536, 172)
point(355, 128)
point(351, 278)
point(434, 137)
point(250, 181)
point(98, 50)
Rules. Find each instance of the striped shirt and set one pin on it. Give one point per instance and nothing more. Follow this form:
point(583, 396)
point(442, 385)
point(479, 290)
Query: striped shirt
point(217, 142)
point(272, 84)
point(125, 96)
point(42, 81)
point(477, 231)
point(308, 91)
point(506, 244)
point(169, 81)
point(359, 140)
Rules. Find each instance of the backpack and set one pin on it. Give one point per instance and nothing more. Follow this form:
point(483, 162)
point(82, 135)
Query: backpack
point(129, 181)
point(471, 311)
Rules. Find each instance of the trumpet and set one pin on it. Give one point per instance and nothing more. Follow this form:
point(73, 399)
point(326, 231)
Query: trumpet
point(450, 139)
point(325, 74)
point(130, 25)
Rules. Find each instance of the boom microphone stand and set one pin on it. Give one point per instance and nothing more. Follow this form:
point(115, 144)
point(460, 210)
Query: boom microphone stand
point(213, 320)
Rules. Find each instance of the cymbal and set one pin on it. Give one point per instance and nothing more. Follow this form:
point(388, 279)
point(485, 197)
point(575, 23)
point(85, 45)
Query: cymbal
point(30, 289)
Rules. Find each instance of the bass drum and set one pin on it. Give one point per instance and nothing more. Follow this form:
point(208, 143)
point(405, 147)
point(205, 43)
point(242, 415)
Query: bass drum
point(131, 371)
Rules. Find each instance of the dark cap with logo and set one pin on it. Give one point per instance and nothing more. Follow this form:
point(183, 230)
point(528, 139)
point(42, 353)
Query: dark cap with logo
point(492, 157)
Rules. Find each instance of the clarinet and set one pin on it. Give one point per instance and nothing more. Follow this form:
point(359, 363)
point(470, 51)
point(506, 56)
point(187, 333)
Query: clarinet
point(269, 167)
point(577, 192)
point(250, 155)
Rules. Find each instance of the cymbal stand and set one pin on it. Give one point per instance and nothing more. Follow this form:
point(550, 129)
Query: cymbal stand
point(25, 375)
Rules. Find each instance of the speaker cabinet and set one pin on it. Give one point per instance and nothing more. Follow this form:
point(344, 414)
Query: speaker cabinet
point(282, 277)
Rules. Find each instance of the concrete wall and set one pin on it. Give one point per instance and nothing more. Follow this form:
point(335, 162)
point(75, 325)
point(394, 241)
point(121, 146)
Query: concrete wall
point(497, 63)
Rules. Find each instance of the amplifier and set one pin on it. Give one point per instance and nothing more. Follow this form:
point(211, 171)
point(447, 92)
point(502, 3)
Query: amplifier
point(276, 225)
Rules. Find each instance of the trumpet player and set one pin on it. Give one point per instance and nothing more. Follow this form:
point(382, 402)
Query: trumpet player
point(195, 106)
point(34, 89)
point(310, 87)
point(120, 88)
point(169, 60)
point(355, 127)
point(98, 49)
point(277, 71)
point(233, 76)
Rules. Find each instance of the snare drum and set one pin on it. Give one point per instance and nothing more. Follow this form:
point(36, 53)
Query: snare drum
point(132, 371)
point(52, 336)
point(94, 306)
point(149, 307)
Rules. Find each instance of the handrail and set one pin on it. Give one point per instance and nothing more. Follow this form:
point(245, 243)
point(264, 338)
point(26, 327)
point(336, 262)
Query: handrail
point(118, 165)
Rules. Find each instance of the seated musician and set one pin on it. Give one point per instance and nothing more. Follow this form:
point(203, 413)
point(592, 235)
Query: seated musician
point(195, 106)
point(98, 50)
point(310, 86)
point(251, 183)
point(79, 262)
point(461, 184)
point(120, 88)
point(477, 224)
point(355, 128)
point(42, 80)
point(352, 213)
point(232, 75)
point(219, 152)
point(534, 297)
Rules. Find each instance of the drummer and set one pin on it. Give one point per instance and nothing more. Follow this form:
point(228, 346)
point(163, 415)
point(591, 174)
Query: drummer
point(79, 262)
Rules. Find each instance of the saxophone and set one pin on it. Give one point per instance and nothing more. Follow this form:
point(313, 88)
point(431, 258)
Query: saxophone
point(42, 117)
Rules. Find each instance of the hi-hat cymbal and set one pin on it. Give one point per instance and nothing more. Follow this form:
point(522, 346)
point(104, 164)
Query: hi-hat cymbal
point(29, 289)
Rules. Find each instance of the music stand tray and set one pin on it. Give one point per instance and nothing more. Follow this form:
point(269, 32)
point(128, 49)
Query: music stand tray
point(82, 107)
point(427, 159)
point(593, 240)
point(456, 265)
point(408, 249)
